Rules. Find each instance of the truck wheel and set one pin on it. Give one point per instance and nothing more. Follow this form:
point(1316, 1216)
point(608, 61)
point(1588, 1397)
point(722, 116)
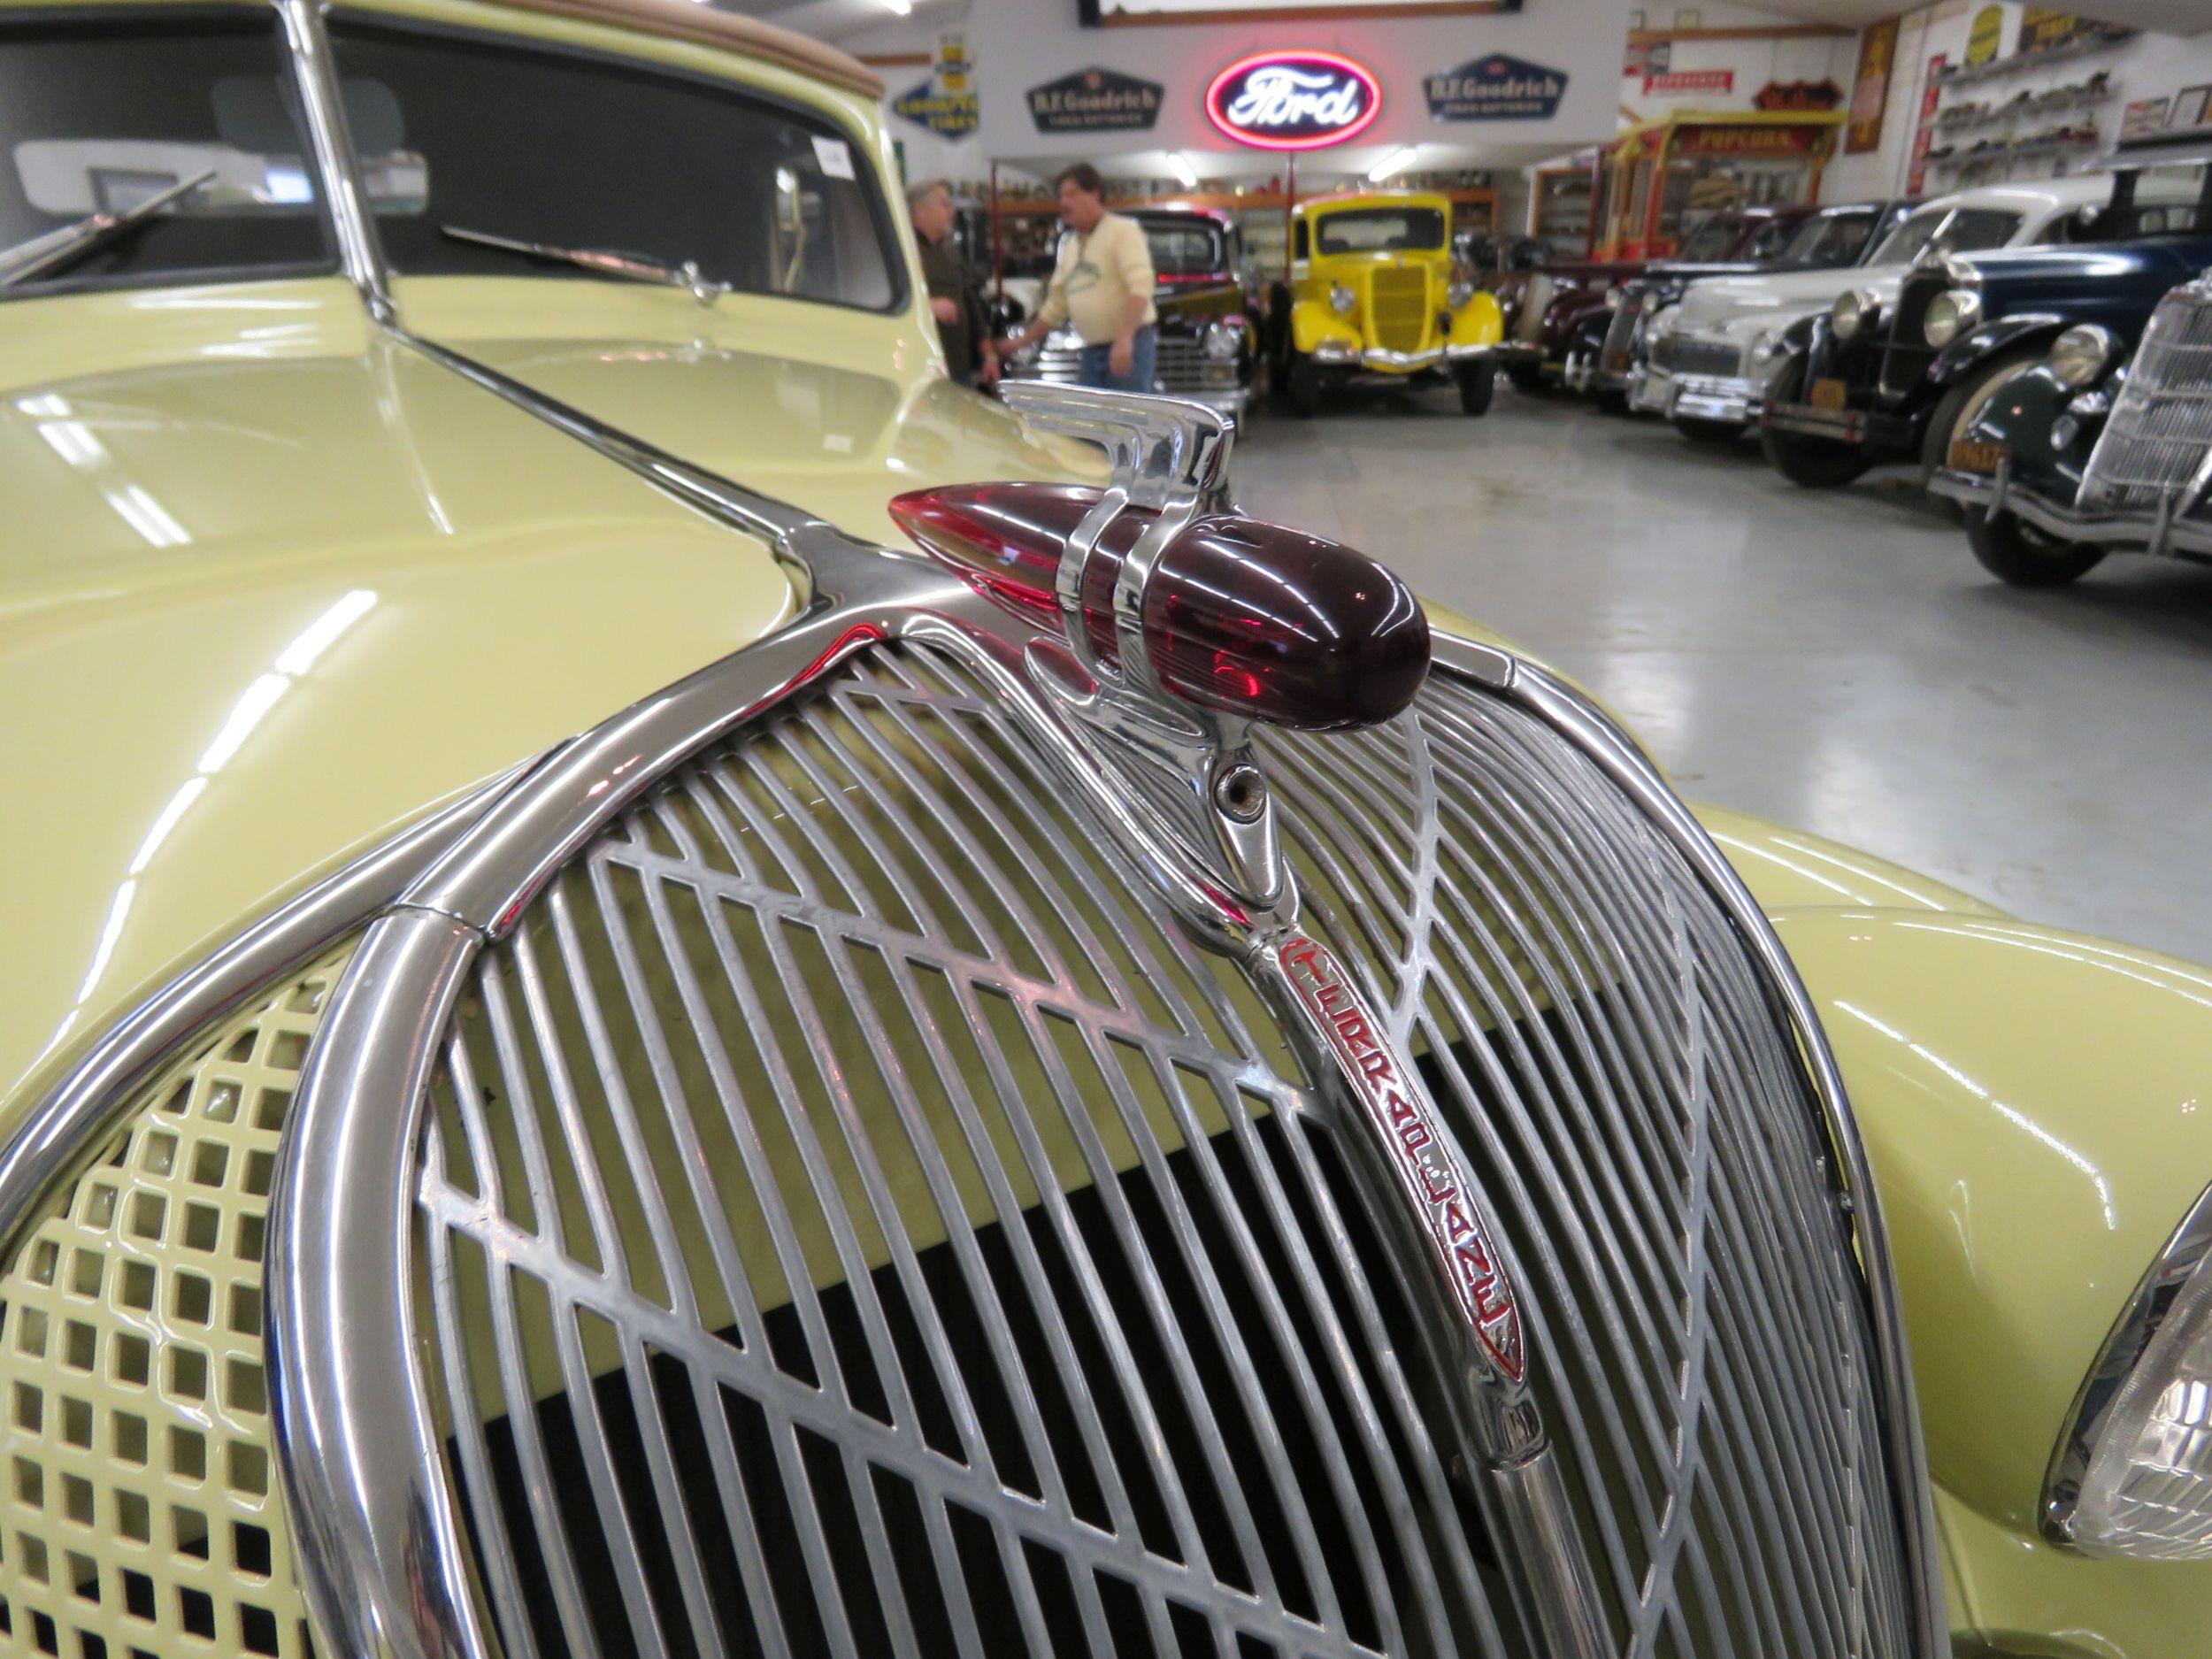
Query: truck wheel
point(1527, 377)
point(1305, 387)
point(1807, 462)
point(2018, 554)
point(1477, 382)
point(1719, 434)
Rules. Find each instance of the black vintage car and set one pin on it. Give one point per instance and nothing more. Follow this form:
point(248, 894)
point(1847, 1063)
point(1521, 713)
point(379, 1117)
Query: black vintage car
point(1867, 383)
point(2090, 453)
point(1605, 356)
point(1209, 348)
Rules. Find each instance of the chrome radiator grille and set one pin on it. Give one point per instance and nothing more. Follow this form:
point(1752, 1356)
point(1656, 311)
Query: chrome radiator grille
point(1687, 354)
point(1535, 300)
point(854, 1220)
point(1398, 306)
point(2160, 435)
point(1181, 365)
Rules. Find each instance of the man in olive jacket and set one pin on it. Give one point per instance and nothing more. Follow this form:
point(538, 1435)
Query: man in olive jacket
point(1102, 283)
point(955, 300)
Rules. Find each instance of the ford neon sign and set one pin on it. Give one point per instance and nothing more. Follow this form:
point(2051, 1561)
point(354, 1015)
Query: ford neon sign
point(1293, 100)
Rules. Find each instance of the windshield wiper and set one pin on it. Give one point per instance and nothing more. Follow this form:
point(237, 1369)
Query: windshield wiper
point(628, 267)
point(52, 249)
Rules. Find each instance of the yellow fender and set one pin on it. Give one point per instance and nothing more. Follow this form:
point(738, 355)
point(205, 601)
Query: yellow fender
point(2037, 1108)
point(1313, 321)
point(1479, 322)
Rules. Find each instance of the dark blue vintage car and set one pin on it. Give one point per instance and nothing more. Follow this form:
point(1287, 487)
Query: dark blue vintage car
point(1867, 383)
point(2090, 452)
point(1605, 353)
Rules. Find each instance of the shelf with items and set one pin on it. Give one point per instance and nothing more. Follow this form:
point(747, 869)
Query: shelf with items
point(1975, 118)
point(2001, 157)
point(2025, 63)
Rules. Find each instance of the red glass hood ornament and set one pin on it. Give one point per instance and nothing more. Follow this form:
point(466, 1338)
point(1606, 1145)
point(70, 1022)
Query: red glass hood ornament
point(1241, 617)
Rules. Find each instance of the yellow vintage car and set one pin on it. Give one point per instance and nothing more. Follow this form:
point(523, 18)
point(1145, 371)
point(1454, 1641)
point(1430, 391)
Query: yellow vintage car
point(671, 989)
point(1374, 292)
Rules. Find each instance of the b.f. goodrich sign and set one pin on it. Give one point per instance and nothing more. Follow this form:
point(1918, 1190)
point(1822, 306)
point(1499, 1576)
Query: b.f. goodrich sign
point(1498, 88)
point(1095, 101)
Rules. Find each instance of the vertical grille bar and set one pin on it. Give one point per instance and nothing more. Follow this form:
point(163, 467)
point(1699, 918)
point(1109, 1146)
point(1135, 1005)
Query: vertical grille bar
point(2159, 430)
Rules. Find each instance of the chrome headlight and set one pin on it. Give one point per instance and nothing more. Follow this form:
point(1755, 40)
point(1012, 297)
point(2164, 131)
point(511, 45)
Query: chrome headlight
point(2133, 1473)
point(1613, 299)
point(1462, 290)
point(1854, 308)
point(1954, 311)
point(1225, 339)
point(2079, 355)
point(1341, 299)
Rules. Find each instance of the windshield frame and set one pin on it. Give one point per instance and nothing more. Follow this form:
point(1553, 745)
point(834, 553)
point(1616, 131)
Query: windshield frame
point(120, 19)
point(1319, 221)
point(1221, 265)
point(867, 173)
point(1943, 218)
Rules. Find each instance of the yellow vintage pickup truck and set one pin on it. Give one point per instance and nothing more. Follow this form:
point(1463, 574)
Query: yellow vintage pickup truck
point(673, 989)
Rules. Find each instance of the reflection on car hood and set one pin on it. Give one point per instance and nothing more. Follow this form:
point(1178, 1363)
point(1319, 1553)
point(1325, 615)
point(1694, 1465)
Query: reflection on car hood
point(272, 584)
point(1712, 305)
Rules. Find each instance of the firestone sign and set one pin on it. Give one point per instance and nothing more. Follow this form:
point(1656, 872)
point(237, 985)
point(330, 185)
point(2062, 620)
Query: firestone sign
point(1095, 101)
point(1299, 100)
point(1498, 88)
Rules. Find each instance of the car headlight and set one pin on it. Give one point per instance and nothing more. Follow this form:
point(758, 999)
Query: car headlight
point(1953, 312)
point(1462, 290)
point(2079, 355)
point(1342, 299)
point(2133, 1472)
point(1856, 308)
point(1764, 344)
point(1225, 339)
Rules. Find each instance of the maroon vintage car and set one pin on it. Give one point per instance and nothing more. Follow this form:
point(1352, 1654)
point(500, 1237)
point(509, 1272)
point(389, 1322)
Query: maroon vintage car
point(1542, 306)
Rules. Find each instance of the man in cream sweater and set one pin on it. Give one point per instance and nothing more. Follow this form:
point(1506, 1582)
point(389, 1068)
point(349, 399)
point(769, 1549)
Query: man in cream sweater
point(1102, 283)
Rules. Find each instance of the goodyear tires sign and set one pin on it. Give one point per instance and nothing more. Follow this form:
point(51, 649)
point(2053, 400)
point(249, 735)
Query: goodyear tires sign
point(1496, 88)
point(947, 114)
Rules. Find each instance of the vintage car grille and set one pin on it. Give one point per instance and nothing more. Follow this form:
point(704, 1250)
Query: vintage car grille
point(2160, 432)
point(1398, 307)
point(138, 1511)
point(1180, 367)
point(1693, 354)
point(1905, 353)
point(1528, 327)
point(855, 1220)
point(1623, 333)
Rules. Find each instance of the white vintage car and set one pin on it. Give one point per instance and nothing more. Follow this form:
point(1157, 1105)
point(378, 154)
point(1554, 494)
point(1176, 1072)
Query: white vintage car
point(1711, 355)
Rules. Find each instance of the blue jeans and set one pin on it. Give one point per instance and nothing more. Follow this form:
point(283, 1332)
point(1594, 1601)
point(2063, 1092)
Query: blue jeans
point(1144, 352)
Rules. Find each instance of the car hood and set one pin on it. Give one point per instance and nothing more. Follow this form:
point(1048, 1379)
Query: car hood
point(270, 583)
point(2028, 272)
point(1713, 303)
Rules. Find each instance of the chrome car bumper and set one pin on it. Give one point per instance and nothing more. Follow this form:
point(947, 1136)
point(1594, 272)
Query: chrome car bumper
point(1337, 355)
point(2153, 533)
point(1696, 397)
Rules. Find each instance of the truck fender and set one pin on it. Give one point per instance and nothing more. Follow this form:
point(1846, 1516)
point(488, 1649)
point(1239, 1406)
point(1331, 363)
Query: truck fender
point(1313, 321)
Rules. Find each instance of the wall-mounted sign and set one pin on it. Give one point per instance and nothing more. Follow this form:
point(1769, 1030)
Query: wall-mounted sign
point(2142, 117)
point(947, 114)
point(1869, 88)
point(1687, 82)
point(1797, 95)
point(1748, 142)
point(1924, 133)
point(1499, 88)
point(1298, 100)
point(1095, 101)
point(2044, 30)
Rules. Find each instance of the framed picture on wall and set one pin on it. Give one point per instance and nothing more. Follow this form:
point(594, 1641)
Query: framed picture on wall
point(2189, 109)
point(2144, 116)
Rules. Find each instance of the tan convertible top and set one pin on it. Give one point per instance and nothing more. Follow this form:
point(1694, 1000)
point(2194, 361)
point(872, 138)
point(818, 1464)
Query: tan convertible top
point(702, 24)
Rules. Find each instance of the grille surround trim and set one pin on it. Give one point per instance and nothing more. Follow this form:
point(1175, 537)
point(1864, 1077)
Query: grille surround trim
point(375, 1545)
point(2155, 454)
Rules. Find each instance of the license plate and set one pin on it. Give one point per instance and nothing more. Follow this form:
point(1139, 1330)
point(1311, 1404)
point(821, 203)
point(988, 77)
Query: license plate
point(1830, 394)
point(1971, 455)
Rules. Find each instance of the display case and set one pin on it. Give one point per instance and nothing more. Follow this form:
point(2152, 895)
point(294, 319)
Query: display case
point(1662, 179)
point(1561, 210)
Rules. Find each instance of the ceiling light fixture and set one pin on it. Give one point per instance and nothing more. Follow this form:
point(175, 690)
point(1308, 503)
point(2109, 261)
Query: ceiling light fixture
point(1179, 164)
point(1392, 164)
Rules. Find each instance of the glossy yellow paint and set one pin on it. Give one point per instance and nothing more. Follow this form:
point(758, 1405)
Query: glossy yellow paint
point(1315, 321)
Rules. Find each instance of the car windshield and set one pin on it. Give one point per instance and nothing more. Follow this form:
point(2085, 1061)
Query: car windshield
point(1947, 230)
point(1184, 247)
point(542, 147)
point(1715, 239)
point(1378, 229)
point(98, 116)
point(1830, 239)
